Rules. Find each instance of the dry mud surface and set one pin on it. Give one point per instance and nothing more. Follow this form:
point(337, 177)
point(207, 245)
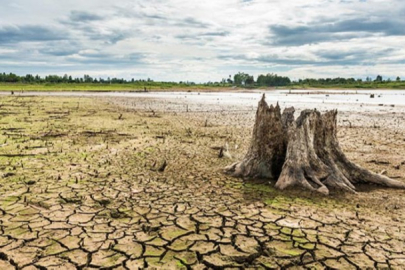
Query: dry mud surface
point(115, 183)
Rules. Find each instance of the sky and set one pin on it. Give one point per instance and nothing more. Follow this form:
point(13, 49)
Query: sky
point(206, 40)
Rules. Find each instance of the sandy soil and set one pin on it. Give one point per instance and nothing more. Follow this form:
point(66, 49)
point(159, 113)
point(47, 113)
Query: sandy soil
point(129, 184)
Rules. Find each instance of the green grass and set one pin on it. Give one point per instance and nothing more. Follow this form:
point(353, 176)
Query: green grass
point(100, 87)
point(159, 86)
point(364, 85)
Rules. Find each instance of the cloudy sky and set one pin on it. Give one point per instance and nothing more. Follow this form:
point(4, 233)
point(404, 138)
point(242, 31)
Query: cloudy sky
point(204, 40)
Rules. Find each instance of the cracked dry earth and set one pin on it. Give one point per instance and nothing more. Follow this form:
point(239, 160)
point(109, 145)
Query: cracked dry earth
point(84, 185)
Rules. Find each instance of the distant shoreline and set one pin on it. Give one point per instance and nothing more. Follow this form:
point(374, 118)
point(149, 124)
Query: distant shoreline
point(128, 88)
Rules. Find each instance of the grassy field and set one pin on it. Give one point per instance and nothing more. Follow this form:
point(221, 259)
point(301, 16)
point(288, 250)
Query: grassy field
point(365, 85)
point(101, 87)
point(180, 87)
point(87, 183)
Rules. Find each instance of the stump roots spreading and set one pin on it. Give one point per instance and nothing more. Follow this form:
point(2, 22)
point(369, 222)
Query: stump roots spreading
point(303, 152)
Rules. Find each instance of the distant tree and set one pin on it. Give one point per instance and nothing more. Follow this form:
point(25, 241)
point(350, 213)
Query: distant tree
point(350, 80)
point(87, 78)
point(378, 78)
point(261, 80)
point(65, 78)
point(272, 80)
point(250, 80)
point(398, 79)
point(240, 78)
point(53, 79)
point(28, 78)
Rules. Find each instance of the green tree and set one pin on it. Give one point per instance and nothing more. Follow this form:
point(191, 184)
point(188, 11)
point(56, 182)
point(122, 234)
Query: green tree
point(87, 78)
point(250, 80)
point(272, 80)
point(240, 78)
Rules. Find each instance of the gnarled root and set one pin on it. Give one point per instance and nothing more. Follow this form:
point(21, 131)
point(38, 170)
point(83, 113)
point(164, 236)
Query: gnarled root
point(350, 170)
point(309, 156)
point(307, 161)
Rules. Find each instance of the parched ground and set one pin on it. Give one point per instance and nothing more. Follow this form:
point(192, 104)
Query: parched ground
point(89, 183)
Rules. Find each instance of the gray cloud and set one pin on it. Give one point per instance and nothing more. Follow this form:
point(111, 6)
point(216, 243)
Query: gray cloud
point(85, 28)
point(216, 34)
point(283, 35)
point(111, 37)
point(27, 33)
point(268, 59)
point(101, 58)
point(203, 35)
point(191, 22)
point(60, 48)
point(58, 51)
point(333, 57)
point(158, 18)
point(359, 55)
point(83, 16)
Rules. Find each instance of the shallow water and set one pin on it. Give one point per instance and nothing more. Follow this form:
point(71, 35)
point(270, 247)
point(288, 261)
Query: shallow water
point(321, 99)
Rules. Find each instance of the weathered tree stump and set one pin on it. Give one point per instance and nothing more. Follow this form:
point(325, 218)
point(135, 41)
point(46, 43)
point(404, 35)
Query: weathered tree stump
point(267, 147)
point(303, 152)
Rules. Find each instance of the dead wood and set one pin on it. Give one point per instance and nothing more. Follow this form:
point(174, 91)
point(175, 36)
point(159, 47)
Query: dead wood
point(267, 146)
point(303, 152)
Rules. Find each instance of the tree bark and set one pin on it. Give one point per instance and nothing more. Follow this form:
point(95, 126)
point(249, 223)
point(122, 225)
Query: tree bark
point(303, 152)
point(267, 147)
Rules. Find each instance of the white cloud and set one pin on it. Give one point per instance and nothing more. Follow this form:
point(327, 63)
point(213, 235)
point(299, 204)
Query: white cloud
point(203, 40)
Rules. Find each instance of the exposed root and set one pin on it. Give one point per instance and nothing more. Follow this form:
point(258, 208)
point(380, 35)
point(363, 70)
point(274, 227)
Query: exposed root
point(309, 155)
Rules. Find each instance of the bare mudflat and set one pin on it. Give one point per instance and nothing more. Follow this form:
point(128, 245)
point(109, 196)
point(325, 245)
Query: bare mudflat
point(133, 183)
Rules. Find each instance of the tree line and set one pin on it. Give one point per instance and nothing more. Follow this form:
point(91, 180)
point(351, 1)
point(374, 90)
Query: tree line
point(29, 78)
point(240, 79)
point(244, 79)
point(271, 80)
point(337, 81)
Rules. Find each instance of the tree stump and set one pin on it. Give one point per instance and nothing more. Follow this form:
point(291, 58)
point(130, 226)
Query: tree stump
point(303, 152)
point(267, 147)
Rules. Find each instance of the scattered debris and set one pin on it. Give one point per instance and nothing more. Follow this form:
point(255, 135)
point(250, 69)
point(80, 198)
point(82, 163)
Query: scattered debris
point(163, 166)
point(380, 162)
